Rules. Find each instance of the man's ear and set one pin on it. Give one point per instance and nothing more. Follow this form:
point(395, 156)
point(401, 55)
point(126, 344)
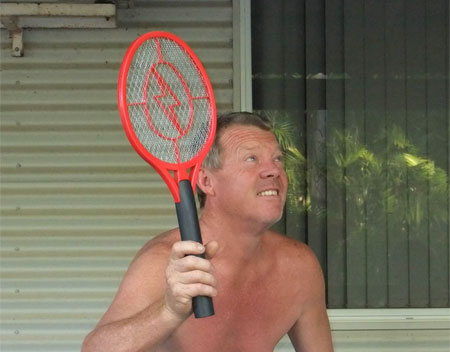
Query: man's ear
point(205, 182)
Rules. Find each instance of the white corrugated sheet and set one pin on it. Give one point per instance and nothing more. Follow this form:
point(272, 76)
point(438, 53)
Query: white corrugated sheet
point(76, 200)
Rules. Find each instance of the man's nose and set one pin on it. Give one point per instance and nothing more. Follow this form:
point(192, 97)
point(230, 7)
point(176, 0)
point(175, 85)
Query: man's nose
point(270, 169)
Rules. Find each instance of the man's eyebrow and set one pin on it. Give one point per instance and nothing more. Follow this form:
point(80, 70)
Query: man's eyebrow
point(249, 147)
point(252, 147)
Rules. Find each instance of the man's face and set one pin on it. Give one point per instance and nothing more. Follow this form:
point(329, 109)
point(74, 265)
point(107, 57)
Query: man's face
point(252, 183)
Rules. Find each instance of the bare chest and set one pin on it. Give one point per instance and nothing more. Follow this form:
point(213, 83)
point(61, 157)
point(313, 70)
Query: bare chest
point(250, 316)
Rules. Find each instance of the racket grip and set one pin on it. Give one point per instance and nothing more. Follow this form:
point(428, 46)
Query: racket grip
point(190, 231)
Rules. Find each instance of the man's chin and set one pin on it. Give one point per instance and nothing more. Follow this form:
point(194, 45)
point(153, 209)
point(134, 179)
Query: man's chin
point(272, 219)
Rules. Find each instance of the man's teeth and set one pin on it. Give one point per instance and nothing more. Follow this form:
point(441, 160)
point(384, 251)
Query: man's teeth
point(268, 193)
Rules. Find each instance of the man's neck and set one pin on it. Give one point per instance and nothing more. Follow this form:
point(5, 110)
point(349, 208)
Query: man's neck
point(238, 240)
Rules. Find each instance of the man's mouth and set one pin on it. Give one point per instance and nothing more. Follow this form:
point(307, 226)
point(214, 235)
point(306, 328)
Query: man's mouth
point(269, 192)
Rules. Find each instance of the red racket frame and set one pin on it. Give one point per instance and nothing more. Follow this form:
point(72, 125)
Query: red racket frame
point(164, 168)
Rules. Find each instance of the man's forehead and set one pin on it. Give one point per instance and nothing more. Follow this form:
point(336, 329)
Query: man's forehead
point(246, 137)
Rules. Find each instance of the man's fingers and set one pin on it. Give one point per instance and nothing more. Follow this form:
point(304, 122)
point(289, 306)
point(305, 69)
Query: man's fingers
point(185, 293)
point(197, 276)
point(183, 248)
point(192, 262)
point(201, 290)
point(189, 275)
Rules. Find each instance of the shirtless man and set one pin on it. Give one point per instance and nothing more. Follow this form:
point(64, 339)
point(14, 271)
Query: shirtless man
point(263, 284)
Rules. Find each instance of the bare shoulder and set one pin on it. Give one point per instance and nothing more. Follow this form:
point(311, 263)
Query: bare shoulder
point(144, 281)
point(302, 276)
point(295, 260)
point(151, 260)
point(299, 271)
point(290, 250)
point(158, 247)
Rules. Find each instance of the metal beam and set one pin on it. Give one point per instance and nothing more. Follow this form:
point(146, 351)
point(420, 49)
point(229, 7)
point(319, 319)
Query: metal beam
point(66, 9)
point(16, 16)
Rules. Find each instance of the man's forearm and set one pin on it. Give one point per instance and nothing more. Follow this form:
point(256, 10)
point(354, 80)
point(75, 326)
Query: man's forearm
point(142, 332)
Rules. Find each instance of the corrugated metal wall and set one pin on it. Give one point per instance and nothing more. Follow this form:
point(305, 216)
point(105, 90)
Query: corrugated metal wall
point(76, 200)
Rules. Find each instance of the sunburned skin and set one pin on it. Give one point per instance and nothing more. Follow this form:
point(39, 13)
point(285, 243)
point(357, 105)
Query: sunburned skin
point(263, 284)
point(261, 292)
point(257, 303)
point(252, 183)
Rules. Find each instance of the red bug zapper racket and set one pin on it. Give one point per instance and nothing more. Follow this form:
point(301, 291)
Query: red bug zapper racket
point(168, 111)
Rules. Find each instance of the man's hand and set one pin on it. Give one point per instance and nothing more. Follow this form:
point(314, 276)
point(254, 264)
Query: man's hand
point(188, 276)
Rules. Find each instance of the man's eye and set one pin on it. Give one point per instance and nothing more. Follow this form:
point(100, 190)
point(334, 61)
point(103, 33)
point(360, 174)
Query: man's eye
point(251, 158)
point(279, 158)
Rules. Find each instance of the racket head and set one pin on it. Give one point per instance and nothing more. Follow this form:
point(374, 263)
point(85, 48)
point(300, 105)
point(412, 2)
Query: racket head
point(167, 106)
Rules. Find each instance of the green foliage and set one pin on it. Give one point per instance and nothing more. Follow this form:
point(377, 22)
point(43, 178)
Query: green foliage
point(390, 178)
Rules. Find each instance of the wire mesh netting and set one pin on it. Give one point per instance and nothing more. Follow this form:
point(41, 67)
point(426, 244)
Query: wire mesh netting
point(168, 102)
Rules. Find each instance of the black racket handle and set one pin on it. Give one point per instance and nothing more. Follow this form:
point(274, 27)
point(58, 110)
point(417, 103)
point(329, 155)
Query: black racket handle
point(190, 231)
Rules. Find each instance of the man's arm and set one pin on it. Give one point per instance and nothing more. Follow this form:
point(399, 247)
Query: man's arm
point(140, 332)
point(154, 298)
point(311, 332)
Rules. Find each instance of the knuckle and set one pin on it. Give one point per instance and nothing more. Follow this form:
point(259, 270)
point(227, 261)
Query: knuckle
point(177, 290)
point(170, 271)
point(178, 265)
point(171, 282)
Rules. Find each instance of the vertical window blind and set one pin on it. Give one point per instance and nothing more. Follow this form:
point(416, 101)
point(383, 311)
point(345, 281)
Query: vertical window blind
point(363, 86)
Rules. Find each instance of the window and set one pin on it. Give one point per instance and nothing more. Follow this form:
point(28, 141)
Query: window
point(363, 87)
